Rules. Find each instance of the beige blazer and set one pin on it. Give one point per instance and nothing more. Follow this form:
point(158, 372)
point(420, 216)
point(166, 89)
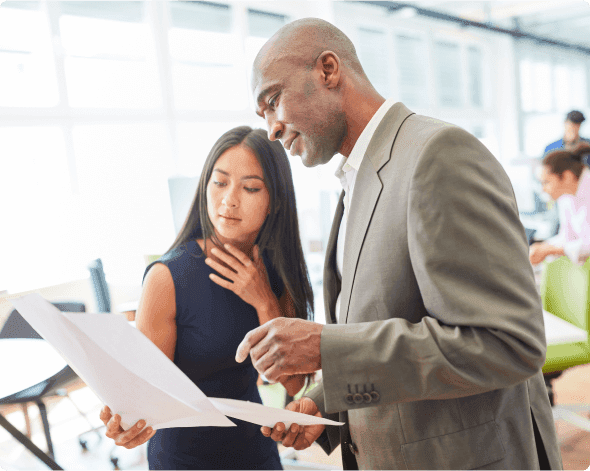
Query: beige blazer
point(435, 357)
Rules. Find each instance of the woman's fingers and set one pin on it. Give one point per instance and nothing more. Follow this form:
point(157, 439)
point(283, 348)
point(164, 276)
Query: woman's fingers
point(221, 282)
point(230, 274)
point(113, 426)
point(241, 256)
point(105, 414)
point(140, 439)
point(231, 261)
point(124, 438)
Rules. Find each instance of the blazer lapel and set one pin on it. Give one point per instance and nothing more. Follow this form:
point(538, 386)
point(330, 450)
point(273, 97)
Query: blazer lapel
point(367, 189)
point(332, 281)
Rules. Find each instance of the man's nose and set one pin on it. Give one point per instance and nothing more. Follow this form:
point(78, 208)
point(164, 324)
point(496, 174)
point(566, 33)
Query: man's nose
point(275, 130)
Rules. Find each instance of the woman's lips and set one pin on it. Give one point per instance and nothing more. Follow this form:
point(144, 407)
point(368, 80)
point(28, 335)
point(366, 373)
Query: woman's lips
point(230, 220)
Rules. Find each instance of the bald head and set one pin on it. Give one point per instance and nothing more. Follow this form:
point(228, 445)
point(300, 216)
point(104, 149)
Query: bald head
point(301, 42)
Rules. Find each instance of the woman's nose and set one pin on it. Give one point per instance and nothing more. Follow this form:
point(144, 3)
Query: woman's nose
point(231, 199)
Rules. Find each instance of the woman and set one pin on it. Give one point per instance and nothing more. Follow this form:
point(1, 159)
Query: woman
point(567, 180)
point(243, 225)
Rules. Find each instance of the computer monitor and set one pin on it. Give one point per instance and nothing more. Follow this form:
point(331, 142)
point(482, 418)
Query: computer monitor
point(182, 191)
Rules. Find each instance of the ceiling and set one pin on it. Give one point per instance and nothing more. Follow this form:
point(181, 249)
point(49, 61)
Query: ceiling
point(559, 20)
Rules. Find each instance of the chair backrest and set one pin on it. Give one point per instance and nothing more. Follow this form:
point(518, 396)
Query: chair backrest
point(99, 283)
point(16, 327)
point(565, 291)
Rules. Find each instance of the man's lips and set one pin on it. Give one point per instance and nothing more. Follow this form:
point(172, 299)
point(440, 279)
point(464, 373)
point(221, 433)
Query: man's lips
point(289, 143)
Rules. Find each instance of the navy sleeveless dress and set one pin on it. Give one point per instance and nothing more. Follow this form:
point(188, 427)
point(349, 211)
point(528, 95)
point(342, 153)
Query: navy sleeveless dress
point(211, 322)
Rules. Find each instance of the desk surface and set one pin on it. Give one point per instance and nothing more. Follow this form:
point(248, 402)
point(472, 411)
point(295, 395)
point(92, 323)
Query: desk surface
point(26, 362)
point(558, 331)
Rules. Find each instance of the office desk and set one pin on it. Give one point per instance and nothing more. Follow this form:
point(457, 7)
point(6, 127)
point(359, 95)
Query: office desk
point(558, 331)
point(26, 363)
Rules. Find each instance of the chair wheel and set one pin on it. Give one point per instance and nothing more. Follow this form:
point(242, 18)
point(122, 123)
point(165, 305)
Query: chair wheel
point(115, 462)
point(83, 444)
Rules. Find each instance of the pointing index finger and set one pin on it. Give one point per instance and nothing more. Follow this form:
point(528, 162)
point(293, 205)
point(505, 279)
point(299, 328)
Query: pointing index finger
point(251, 339)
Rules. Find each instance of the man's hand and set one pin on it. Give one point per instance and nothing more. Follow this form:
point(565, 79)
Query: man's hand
point(297, 436)
point(283, 346)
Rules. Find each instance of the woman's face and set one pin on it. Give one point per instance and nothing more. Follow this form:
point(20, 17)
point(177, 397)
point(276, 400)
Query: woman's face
point(237, 198)
point(556, 186)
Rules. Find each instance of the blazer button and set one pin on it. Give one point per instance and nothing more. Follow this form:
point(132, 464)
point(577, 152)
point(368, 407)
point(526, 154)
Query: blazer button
point(367, 398)
point(348, 398)
point(353, 448)
point(375, 395)
point(358, 398)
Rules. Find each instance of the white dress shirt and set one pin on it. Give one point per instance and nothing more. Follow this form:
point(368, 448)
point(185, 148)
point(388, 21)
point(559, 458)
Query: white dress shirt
point(347, 172)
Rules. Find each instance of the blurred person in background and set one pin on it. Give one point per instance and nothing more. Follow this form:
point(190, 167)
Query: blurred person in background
point(567, 181)
point(243, 225)
point(571, 139)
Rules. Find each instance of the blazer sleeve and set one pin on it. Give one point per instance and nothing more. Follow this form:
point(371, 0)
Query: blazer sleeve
point(330, 437)
point(484, 326)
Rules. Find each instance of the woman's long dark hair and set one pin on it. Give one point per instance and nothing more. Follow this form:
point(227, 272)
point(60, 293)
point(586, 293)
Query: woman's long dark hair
point(561, 160)
point(279, 235)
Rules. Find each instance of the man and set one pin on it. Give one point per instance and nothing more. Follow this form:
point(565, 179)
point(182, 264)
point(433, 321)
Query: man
point(571, 139)
point(435, 340)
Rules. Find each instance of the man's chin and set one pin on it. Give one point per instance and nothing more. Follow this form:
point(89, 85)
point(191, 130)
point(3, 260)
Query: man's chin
point(314, 160)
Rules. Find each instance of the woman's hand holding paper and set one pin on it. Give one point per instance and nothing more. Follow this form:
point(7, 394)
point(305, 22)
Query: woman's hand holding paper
point(135, 436)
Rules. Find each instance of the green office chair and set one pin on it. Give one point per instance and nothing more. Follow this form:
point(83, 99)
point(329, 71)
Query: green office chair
point(565, 292)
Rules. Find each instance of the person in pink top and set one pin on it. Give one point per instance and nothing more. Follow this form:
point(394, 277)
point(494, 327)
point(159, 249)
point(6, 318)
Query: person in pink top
point(567, 180)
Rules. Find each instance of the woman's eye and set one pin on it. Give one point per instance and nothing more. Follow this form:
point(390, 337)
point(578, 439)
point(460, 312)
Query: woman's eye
point(252, 190)
point(219, 183)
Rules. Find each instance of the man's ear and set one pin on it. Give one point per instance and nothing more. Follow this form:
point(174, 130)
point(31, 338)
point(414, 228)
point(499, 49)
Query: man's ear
point(330, 68)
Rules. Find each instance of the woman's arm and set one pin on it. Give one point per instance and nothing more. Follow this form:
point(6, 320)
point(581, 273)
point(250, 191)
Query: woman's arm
point(156, 313)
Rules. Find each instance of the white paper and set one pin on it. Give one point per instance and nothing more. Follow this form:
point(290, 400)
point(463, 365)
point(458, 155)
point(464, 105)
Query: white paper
point(133, 376)
point(267, 416)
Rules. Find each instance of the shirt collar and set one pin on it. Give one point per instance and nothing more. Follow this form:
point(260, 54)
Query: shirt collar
point(360, 147)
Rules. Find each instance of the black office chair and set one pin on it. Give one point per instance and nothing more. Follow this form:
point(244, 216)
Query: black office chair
point(17, 327)
point(103, 303)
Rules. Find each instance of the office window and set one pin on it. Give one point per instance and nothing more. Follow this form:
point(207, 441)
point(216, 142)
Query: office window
point(195, 140)
point(109, 55)
point(206, 58)
point(373, 55)
point(262, 24)
point(536, 85)
point(123, 171)
point(27, 77)
point(569, 87)
point(475, 70)
point(412, 73)
point(261, 27)
point(36, 191)
point(448, 74)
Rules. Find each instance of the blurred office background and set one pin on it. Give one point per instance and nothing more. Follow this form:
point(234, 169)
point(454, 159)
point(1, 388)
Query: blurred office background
point(101, 103)
point(106, 106)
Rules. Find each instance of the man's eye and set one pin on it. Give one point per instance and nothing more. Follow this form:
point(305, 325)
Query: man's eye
point(272, 102)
